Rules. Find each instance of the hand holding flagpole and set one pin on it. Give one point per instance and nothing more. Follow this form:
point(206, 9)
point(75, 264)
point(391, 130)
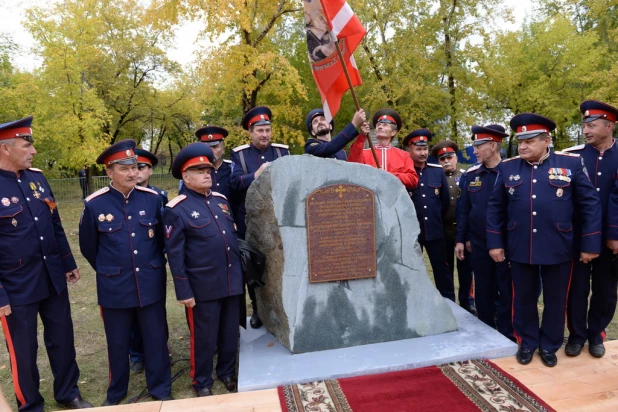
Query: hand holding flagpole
point(356, 103)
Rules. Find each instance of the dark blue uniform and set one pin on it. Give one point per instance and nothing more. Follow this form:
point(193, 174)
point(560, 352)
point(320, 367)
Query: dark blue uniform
point(602, 171)
point(243, 176)
point(34, 259)
point(205, 263)
point(136, 344)
point(477, 185)
point(122, 239)
point(334, 148)
point(431, 201)
point(530, 215)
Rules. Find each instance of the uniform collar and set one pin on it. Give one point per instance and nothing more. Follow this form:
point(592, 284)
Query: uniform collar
point(119, 193)
point(541, 160)
point(198, 194)
point(256, 148)
point(9, 174)
point(609, 149)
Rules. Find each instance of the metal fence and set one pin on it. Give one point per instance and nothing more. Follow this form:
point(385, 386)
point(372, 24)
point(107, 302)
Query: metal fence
point(72, 190)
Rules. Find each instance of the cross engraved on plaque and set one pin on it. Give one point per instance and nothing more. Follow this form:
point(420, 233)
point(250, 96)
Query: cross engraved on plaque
point(341, 240)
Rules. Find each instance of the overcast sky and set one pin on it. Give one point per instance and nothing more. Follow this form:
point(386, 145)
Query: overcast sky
point(13, 17)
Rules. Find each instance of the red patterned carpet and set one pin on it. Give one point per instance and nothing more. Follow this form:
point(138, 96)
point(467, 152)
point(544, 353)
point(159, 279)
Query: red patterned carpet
point(459, 386)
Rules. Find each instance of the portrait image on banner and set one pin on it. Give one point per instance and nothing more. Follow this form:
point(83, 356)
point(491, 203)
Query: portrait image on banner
point(326, 22)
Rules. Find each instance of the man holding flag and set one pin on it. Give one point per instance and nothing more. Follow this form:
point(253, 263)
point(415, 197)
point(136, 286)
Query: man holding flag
point(321, 144)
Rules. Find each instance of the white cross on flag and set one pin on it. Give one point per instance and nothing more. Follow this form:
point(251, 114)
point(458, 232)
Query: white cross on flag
point(327, 21)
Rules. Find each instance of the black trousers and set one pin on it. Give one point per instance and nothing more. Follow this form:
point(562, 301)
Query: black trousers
point(214, 329)
point(588, 323)
point(20, 332)
point(556, 279)
point(441, 273)
point(152, 324)
point(465, 294)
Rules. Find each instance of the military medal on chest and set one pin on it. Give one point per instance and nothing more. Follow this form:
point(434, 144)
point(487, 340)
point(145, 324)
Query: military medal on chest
point(224, 208)
point(150, 233)
point(437, 192)
point(559, 192)
point(6, 201)
point(14, 222)
point(109, 217)
point(511, 191)
point(101, 218)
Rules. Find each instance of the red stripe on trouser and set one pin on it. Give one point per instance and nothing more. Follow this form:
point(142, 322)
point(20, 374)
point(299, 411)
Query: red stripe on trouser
point(109, 366)
point(566, 309)
point(513, 314)
point(603, 335)
point(192, 341)
point(472, 288)
point(14, 372)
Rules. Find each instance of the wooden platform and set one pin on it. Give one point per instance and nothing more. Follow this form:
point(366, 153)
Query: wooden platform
point(583, 383)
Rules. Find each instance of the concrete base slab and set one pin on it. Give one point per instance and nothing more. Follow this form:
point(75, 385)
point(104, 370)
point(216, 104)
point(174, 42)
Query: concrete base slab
point(265, 363)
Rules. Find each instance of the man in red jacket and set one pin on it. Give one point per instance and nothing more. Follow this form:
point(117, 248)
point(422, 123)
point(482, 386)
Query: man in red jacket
point(387, 123)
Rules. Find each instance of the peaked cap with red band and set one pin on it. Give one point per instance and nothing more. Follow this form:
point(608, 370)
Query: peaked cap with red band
point(387, 116)
point(309, 120)
point(593, 110)
point(18, 128)
point(196, 155)
point(444, 148)
point(121, 152)
point(529, 125)
point(418, 137)
point(144, 157)
point(489, 133)
point(211, 135)
point(258, 116)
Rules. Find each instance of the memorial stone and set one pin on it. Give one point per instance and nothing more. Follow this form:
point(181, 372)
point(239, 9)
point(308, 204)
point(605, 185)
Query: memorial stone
point(376, 291)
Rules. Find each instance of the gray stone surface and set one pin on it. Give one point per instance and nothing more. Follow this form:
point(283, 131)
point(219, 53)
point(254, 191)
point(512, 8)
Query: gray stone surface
point(400, 303)
point(265, 364)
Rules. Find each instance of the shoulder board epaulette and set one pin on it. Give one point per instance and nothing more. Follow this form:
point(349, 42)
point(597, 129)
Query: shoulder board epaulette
point(227, 161)
point(34, 169)
point(239, 148)
point(567, 154)
point(434, 165)
point(97, 193)
point(145, 189)
point(473, 168)
point(175, 201)
point(573, 148)
point(281, 146)
point(219, 195)
point(509, 159)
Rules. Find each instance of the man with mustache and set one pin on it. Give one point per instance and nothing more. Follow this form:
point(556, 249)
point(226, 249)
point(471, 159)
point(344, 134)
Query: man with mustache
point(387, 123)
point(446, 153)
point(587, 322)
point(121, 236)
point(205, 262)
point(431, 200)
point(35, 265)
point(248, 163)
point(321, 144)
point(531, 216)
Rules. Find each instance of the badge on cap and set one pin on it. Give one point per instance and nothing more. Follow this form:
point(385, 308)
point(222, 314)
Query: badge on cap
point(6, 201)
point(32, 186)
point(262, 116)
point(150, 233)
point(210, 136)
point(524, 128)
point(109, 217)
point(128, 152)
point(101, 218)
point(587, 113)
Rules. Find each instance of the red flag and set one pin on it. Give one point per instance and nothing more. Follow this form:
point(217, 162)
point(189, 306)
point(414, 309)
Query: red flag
point(327, 21)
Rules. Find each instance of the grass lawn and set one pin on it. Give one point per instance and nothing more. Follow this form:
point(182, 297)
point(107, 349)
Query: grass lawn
point(90, 338)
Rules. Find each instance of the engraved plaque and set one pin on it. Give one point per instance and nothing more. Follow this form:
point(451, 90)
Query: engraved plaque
point(341, 233)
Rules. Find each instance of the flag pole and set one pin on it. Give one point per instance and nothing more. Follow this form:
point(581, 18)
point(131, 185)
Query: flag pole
point(347, 76)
